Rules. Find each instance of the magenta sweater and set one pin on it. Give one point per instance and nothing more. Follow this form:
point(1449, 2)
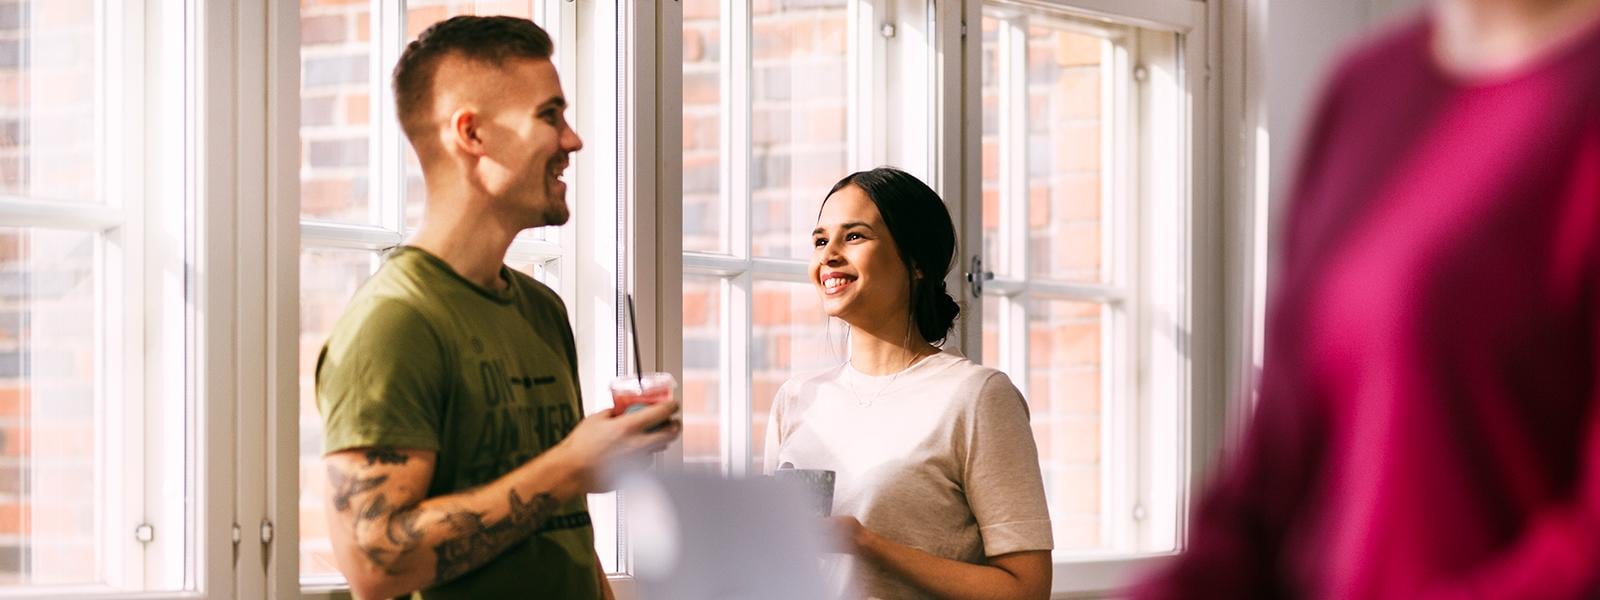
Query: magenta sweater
point(1427, 425)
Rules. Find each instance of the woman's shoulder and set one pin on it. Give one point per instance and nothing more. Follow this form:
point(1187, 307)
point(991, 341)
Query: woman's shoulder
point(805, 383)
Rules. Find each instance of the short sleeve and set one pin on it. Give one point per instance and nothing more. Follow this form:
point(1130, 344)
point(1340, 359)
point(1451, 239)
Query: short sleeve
point(381, 380)
point(1001, 476)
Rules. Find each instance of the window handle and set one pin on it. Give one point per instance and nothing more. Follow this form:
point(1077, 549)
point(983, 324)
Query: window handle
point(977, 276)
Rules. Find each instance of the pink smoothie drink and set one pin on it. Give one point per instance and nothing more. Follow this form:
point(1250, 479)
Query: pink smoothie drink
point(630, 393)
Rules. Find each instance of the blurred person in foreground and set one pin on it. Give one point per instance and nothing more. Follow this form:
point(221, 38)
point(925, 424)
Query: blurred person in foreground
point(457, 463)
point(1427, 425)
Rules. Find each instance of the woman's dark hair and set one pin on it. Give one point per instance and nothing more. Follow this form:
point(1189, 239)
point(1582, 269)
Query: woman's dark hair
point(922, 230)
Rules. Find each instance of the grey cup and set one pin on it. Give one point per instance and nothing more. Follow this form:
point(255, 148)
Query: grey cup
point(818, 483)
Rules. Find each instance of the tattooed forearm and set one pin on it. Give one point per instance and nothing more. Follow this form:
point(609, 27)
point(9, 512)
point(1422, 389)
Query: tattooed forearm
point(474, 542)
point(347, 485)
point(385, 456)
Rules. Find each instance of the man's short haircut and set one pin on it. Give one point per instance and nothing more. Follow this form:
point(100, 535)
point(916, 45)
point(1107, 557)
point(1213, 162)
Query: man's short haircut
point(490, 40)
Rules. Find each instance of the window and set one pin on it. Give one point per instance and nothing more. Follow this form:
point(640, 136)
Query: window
point(92, 330)
point(1086, 228)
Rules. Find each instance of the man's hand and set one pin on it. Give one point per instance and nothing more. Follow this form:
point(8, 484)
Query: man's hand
point(601, 442)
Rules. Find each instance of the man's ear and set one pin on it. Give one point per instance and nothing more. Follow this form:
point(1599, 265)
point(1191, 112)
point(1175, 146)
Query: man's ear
point(464, 132)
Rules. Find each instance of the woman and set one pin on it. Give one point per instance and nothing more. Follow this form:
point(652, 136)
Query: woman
point(1429, 414)
point(938, 490)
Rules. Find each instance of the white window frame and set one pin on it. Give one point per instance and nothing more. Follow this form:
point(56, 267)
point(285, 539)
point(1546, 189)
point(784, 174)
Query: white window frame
point(1184, 392)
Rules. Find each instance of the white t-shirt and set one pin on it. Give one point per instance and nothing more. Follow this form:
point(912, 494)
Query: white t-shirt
point(939, 457)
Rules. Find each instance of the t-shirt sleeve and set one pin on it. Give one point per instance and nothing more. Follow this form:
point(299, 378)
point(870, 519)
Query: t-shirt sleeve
point(1002, 480)
point(380, 380)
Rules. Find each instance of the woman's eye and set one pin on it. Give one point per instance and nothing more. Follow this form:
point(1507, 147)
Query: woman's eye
point(852, 236)
point(819, 242)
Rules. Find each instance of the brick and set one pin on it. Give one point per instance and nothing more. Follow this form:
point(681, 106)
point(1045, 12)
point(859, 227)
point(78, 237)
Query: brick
point(1076, 196)
point(769, 127)
point(325, 71)
point(702, 132)
point(772, 40)
point(991, 159)
point(1075, 49)
point(694, 46)
point(701, 89)
point(363, 27)
point(57, 15)
point(763, 7)
point(701, 174)
point(326, 29)
point(831, 35)
point(1076, 491)
point(356, 107)
point(523, 9)
point(1077, 439)
point(1038, 347)
point(337, 153)
point(1077, 147)
point(1076, 245)
point(1076, 95)
point(316, 111)
point(697, 303)
point(12, 517)
point(991, 208)
point(1074, 391)
point(12, 398)
point(323, 198)
point(699, 394)
point(823, 125)
point(1038, 207)
point(1077, 344)
point(700, 438)
point(421, 17)
point(696, 10)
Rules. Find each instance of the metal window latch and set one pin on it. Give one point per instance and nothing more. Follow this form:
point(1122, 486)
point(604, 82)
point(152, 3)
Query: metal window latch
point(266, 531)
point(238, 534)
point(145, 533)
point(977, 276)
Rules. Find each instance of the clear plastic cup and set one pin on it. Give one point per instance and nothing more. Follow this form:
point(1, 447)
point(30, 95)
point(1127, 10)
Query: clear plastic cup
point(630, 392)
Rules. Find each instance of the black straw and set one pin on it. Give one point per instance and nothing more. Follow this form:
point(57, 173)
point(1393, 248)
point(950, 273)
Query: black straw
point(633, 328)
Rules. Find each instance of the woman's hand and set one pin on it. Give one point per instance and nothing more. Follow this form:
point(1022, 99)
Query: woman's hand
point(851, 536)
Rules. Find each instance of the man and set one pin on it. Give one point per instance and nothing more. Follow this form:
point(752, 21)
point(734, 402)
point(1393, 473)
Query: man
point(457, 464)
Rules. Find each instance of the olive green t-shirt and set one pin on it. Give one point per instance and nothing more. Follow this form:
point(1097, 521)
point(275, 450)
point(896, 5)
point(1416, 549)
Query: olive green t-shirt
point(424, 359)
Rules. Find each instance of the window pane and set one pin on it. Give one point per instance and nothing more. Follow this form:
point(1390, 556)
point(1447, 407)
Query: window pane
point(703, 214)
point(335, 111)
point(702, 389)
point(1042, 147)
point(1064, 129)
point(49, 125)
point(1064, 373)
point(788, 337)
point(799, 57)
point(328, 278)
point(53, 451)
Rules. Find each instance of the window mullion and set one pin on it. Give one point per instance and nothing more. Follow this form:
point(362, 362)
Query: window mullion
point(735, 100)
point(736, 373)
point(385, 165)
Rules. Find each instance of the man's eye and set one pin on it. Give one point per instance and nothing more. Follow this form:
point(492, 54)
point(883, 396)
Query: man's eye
point(549, 117)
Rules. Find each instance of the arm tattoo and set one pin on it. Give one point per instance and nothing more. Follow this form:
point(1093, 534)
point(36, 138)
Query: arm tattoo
point(347, 485)
point(475, 542)
point(471, 542)
point(385, 456)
